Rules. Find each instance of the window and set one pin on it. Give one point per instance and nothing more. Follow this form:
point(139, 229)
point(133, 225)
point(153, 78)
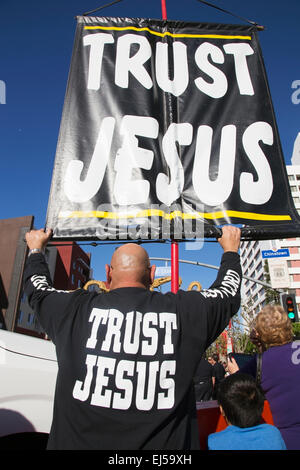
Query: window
point(257, 256)
point(259, 267)
point(21, 315)
point(261, 291)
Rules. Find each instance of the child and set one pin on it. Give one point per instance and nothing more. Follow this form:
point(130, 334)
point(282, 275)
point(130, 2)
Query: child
point(241, 402)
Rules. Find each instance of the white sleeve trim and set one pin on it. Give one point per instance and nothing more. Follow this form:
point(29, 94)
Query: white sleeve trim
point(229, 286)
point(41, 283)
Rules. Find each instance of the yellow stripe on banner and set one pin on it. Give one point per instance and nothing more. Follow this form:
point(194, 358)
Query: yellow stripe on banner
point(172, 215)
point(167, 33)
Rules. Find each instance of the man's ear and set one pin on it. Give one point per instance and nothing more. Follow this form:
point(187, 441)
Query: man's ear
point(107, 272)
point(152, 273)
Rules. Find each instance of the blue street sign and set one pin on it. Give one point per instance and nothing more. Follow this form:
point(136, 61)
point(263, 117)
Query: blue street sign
point(275, 254)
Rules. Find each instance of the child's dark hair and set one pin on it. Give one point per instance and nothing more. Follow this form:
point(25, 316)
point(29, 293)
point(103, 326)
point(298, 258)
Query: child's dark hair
point(242, 400)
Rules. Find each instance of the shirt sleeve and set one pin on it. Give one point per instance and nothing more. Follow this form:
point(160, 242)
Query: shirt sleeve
point(207, 313)
point(50, 305)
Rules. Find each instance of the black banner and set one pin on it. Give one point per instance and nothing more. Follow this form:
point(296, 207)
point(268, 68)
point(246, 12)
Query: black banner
point(168, 131)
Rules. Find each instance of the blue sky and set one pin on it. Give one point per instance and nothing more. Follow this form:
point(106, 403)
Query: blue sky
point(36, 40)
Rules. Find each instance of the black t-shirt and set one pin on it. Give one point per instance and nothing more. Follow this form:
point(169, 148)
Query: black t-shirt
point(127, 358)
point(204, 372)
point(218, 372)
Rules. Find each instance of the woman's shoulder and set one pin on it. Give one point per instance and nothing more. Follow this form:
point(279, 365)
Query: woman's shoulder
point(282, 348)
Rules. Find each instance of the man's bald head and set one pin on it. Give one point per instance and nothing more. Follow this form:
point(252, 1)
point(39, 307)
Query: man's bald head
point(130, 267)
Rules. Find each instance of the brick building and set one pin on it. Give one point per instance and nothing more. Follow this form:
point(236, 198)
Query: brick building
point(69, 268)
point(13, 252)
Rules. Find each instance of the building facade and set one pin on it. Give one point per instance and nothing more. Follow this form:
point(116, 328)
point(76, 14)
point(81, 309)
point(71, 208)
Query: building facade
point(69, 268)
point(13, 250)
point(254, 265)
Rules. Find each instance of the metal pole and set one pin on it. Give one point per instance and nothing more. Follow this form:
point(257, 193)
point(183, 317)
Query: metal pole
point(174, 244)
point(163, 9)
point(174, 267)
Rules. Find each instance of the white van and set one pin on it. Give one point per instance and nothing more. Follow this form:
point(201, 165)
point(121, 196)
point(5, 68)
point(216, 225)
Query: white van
point(28, 369)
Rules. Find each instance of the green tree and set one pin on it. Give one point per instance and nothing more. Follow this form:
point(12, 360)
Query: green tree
point(296, 330)
point(219, 346)
point(271, 295)
point(241, 326)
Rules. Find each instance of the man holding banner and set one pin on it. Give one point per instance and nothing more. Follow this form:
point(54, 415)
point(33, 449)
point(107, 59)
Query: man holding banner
point(127, 357)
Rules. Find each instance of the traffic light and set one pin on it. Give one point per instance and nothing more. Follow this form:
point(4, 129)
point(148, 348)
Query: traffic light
point(288, 301)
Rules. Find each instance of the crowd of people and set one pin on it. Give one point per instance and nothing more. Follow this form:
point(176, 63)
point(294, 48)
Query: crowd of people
point(279, 370)
point(275, 373)
point(132, 361)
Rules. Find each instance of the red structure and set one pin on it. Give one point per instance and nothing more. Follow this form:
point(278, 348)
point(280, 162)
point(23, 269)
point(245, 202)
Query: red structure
point(72, 268)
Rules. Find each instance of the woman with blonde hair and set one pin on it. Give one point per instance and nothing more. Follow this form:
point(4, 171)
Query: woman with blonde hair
point(280, 370)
